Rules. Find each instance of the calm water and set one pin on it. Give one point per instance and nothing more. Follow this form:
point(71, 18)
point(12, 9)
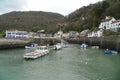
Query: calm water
point(70, 63)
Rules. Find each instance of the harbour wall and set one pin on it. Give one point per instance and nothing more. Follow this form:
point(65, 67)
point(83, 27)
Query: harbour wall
point(12, 43)
point(41, 41)
point(110, 42)
point(21, 43)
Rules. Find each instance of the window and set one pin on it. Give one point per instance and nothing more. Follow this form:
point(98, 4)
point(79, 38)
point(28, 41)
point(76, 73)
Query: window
point(9, 33)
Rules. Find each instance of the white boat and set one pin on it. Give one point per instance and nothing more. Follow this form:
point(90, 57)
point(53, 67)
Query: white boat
point(40, 51)
point(95, 47)
point(31, 46)
point(58, 46)
point(114, 52)
point(83, 45)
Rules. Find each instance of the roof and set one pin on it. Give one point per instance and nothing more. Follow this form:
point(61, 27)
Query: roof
point(72, 31)
point(84, 31)
point(116, 21)
point(16, 31)
point(107, 19)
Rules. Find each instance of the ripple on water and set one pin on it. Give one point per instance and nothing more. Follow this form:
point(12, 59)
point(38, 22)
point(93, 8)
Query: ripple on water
point(70, 63)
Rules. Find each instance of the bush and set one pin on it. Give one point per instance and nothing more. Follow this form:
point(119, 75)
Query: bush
point(108, 33)
point(2, 33)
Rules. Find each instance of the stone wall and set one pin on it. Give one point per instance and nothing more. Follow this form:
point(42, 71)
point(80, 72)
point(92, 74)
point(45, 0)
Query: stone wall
point(110, 42)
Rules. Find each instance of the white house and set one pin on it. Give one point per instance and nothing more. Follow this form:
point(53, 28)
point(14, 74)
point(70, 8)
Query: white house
point(106, 23)
point(115, 26)
point(17, 34)
point(97, 33)
point(110, 23)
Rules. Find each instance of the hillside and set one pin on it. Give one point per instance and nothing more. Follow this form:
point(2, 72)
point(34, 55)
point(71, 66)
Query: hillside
point(89, 17)
point(30, 21)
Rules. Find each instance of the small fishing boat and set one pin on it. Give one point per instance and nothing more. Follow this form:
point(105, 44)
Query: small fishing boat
point(114, 51)
point(83, 45)
point(40, 51)
point(95, 47)
point(107, 51)
point(33, 45)
point(58, 46)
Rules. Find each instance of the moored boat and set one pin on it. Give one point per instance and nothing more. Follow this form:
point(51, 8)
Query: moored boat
point(31, 46)
point(83, 45)
point(58, 46)
point(40, 51)
point(95, 47)
point(114, 51)
point(107, 51)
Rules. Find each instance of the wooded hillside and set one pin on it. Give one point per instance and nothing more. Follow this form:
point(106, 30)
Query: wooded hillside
point(30, 21)
point(89, 17)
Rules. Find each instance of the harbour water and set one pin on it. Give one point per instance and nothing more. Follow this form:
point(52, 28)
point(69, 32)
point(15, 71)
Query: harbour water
point(72, 63)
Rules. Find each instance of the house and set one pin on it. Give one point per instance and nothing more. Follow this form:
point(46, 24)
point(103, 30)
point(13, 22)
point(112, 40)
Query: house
point(65, 35)
point(106, 23)
point(96, 33)
point(110, 23)
point(73, 34)
point(84, 33)
point(17, 34)
point(115, 26)
point(41, 31)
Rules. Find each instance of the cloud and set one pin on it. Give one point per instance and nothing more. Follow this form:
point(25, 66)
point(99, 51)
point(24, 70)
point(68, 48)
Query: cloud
point(60, 6)
point(11, 5)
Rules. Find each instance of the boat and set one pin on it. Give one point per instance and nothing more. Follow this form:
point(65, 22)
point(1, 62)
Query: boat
point(58, 46)
point(33, 45)
point(114, 51)
point(83, 45)
point(95, 47)
point(107, 51)
point(40, 51)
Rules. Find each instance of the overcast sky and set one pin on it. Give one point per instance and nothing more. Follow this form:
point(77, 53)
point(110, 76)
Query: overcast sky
point(63, 7)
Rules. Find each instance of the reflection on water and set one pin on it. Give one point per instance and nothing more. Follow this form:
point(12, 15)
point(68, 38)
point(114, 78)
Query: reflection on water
point(72, 63)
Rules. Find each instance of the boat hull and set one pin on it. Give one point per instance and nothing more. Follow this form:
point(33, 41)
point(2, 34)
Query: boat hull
point(32, 56)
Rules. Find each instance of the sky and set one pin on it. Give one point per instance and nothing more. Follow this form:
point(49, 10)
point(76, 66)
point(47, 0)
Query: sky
point(63, 7)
